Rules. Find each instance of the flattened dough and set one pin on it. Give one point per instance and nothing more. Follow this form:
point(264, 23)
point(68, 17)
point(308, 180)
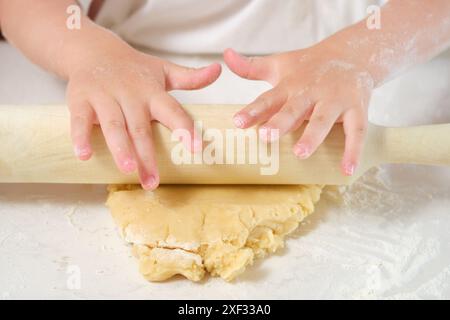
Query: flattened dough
point(191, 230)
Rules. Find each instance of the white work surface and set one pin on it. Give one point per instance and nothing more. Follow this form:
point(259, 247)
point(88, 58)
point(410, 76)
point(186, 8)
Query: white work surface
point(388, 238)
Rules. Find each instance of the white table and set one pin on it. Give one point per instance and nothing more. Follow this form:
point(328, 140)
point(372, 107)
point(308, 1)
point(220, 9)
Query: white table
point(390, 239)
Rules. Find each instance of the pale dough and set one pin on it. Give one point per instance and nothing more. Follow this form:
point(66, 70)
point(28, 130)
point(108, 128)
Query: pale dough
point(191, 230)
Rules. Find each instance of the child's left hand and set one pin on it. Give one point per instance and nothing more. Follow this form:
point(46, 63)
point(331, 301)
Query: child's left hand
point(318, 84)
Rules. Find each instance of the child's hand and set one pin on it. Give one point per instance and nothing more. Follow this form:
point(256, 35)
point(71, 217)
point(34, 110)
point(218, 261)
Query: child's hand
point(124, 90)
point(316, 84)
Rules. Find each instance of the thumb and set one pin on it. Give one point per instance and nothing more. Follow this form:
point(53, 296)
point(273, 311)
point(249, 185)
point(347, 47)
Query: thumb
point(252, 68)
point(185, 78)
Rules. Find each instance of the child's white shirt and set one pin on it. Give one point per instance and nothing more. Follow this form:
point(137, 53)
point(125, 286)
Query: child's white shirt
point(210, 26)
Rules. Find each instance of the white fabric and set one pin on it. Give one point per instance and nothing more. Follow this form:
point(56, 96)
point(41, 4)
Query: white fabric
point(249, 26)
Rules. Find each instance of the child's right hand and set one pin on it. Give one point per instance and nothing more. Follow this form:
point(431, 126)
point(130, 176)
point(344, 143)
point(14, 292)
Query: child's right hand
point(123, 91)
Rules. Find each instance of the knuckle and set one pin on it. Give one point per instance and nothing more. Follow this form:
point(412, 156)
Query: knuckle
point(307, 139)
point(81, 118)
point(264, 102)
point(293, 110)
point(140, 131)
point(193, 84)
point(78, 104)
point(352, 153)
point(251, 67)
point(79, 138)
point(114, 124)
point(146, 159)
point(360, 130)
point(319, 118)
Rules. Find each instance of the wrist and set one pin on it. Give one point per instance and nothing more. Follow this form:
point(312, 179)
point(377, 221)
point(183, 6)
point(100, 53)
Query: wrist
point(340, 49)
point(339, 55)
point(353, 45)
point(89, 47)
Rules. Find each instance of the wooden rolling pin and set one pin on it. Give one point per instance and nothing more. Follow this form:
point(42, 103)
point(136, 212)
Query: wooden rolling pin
point(36, 147)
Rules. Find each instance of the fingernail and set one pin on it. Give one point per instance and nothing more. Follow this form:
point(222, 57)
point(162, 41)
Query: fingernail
point(301, 151)
point(239, 121)
point(129, 165)
point(349, 169)
point(150, 183)
point(82, 152)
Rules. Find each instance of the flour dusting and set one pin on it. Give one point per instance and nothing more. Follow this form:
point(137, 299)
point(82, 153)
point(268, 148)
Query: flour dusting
point(378, 239)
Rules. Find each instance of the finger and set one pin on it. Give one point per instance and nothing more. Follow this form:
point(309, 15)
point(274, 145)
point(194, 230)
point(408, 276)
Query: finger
point(288, 118)
point(113, 127)
point(318, 127)
point(167, 110)
point(184, 78)
point(252, 68)
point(137, 118)
point(261, 109)
point(355, 129)
point(81, 121)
